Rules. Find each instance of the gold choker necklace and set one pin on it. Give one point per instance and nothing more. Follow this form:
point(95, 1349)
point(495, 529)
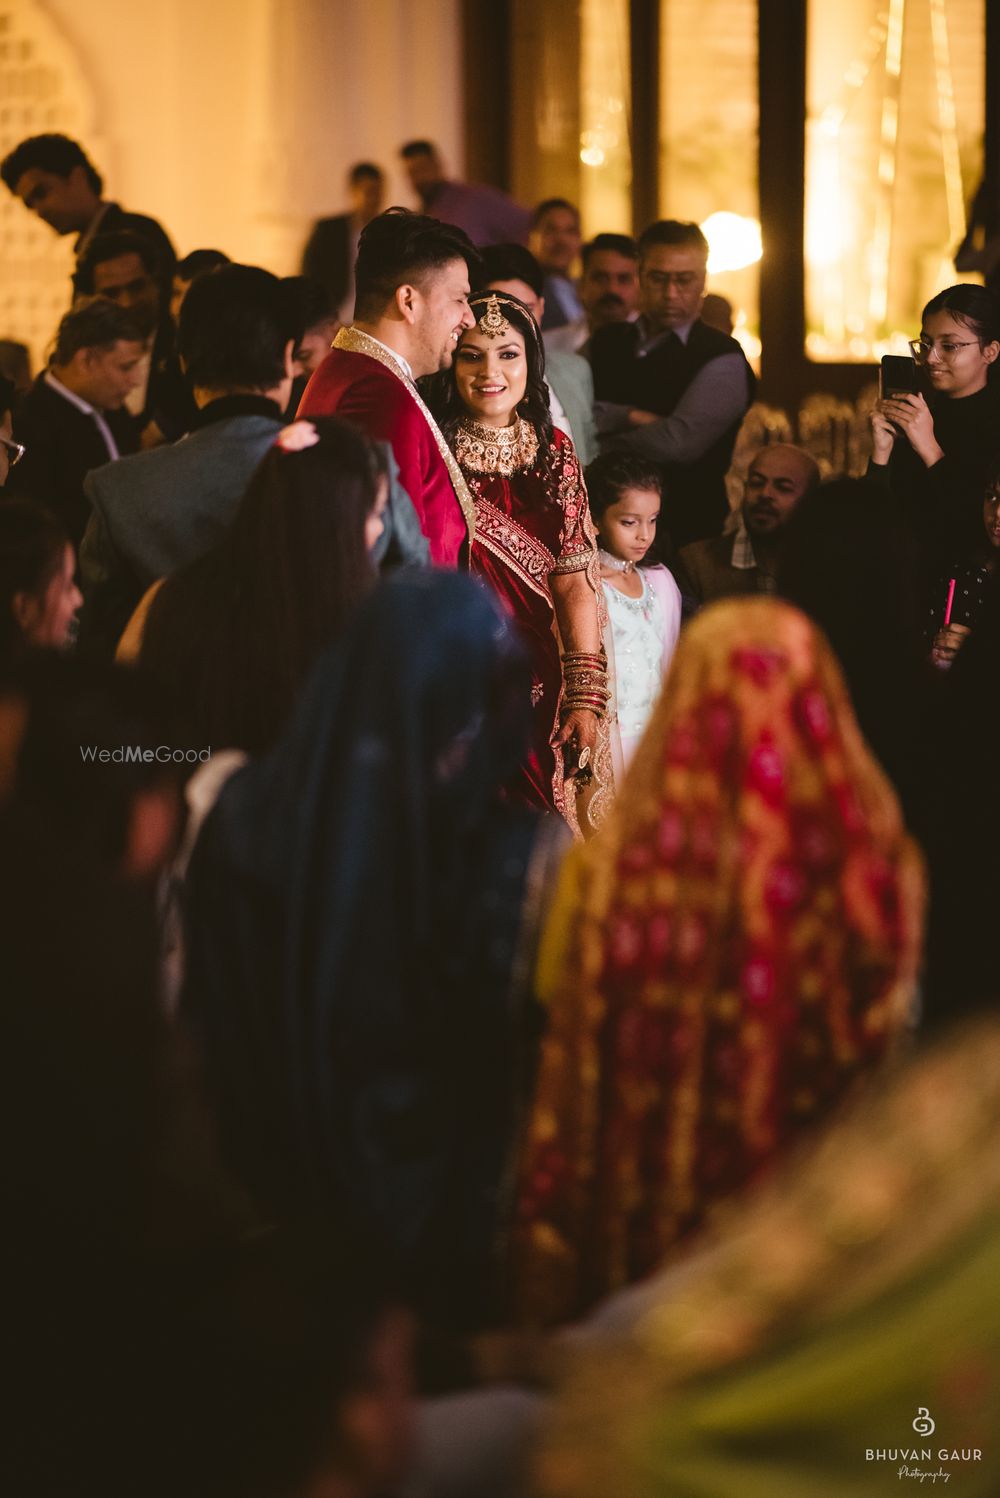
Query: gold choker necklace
point(503, 450)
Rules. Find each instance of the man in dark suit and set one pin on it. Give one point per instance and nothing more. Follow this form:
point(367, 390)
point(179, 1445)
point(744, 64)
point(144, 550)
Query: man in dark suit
point(72, 418)
point(333, 244)
point(156, 510)
point(124, 268)
point(52, 176)
point(671, 388)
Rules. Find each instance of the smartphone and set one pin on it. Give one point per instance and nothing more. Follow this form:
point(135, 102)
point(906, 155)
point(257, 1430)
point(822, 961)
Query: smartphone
point(898, 376)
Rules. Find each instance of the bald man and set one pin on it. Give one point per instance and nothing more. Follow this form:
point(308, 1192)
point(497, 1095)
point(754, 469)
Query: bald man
point(746, 561)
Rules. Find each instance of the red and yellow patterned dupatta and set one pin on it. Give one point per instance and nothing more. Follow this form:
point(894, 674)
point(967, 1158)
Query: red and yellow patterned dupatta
point(738, 942)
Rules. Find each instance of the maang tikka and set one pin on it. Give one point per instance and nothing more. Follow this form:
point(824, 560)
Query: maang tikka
point(493, 324)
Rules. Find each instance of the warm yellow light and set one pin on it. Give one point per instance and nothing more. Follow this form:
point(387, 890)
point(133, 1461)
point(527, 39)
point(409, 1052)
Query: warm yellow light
point(825, 225)
point(604, 87)
point(595, 145)
point(733, 242)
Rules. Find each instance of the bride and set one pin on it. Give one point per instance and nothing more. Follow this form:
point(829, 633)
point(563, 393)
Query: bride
point(535, 547)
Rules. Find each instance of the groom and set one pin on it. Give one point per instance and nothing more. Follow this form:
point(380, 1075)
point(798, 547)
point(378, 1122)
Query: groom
point(412, 280)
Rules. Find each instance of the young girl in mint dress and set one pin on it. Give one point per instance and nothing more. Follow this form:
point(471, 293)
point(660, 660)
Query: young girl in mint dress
point(644, 602)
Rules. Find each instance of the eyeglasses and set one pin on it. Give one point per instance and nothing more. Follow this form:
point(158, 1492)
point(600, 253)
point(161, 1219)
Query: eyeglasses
point(15, 450)
point(945, 350)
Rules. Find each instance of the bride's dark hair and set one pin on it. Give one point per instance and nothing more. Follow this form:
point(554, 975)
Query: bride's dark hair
point(440, 391)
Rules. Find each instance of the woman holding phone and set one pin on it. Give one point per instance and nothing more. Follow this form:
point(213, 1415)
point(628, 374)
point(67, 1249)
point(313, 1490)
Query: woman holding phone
point(934, 447)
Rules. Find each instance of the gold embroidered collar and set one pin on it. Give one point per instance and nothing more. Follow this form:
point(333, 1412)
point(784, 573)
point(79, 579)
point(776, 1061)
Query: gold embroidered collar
point(503, 450)
point(356, 342)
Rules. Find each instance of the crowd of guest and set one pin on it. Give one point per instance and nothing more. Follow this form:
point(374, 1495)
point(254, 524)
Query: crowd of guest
point(497, 940)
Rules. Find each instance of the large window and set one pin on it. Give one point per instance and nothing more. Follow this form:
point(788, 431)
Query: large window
point(604, 151)
point(570, 134)
point(895, 101)
point(708, 142)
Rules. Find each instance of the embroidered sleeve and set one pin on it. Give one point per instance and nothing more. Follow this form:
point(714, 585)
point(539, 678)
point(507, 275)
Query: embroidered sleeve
point(578, 562)
point(577, 541)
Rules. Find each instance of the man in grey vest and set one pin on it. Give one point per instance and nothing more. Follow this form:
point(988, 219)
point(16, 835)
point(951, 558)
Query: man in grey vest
point(671, 388)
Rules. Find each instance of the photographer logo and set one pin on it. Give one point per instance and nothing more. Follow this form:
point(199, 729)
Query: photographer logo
point(923, 1424)
point(924, 1464)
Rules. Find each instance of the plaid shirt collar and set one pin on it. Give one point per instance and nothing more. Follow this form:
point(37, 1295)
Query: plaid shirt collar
point(742, 557)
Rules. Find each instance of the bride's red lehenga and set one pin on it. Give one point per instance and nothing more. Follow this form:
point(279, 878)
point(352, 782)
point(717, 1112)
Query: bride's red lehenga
point(532, 523)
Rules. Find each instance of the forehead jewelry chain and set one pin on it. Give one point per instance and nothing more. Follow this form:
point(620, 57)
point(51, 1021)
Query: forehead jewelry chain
point(493, 324)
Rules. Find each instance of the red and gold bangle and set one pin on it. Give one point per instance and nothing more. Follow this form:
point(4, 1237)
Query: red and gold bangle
point(585, 677)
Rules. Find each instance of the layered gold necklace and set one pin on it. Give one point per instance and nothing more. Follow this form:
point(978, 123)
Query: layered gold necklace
point(502, 450)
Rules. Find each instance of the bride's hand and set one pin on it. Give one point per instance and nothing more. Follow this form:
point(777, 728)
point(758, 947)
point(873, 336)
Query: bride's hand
point(578, 728)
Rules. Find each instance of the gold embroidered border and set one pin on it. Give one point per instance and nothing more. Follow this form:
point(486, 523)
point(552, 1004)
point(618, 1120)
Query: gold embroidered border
point(356, 342)
point(575, 504)
point(522, 553)
point(581, 562)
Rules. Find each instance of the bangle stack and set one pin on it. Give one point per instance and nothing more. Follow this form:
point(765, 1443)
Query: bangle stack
point(586, 682)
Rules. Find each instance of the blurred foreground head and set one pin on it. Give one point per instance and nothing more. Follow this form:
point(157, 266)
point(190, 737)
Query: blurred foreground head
point(86, 763)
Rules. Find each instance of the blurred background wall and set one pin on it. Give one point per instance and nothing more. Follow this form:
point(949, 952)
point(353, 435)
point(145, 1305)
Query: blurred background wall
point(830, 148)
point(232, 121)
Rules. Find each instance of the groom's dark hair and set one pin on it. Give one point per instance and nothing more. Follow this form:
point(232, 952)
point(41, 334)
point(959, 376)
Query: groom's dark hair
point(399, 246)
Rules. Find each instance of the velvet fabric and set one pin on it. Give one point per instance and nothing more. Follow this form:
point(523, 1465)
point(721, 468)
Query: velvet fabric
point(527, 526)
point(358, 389)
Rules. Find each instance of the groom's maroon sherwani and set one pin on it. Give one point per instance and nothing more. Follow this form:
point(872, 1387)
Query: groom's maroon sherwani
point(362, 382)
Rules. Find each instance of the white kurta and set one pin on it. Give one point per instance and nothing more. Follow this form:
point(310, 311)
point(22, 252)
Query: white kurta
point(644, 635)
